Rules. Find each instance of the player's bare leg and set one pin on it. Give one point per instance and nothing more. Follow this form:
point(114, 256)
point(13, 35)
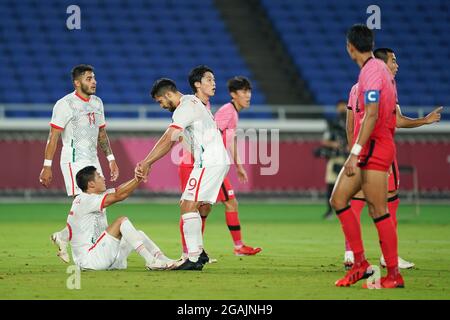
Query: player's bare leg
point(345, 188)
point(373, 184)
point(234, 225)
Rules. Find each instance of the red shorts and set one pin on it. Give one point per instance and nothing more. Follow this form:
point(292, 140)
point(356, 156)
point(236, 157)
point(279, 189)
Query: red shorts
point(394, 177)
point(226, 189)
point(377, 154)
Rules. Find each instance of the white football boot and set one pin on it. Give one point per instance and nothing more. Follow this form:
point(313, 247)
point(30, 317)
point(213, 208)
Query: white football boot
point(402, 263)
point(62, 245)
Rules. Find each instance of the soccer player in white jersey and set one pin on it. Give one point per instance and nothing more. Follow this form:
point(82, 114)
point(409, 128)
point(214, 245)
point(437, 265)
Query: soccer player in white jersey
point(97, 246)
point(211, 162)
point(79, 118)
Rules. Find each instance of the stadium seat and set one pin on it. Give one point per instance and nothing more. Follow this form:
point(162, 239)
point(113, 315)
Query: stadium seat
point(314, 35)
point(130, 44)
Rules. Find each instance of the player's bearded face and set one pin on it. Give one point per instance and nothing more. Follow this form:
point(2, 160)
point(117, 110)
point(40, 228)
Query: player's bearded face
point(171, 106)
point(88, 84)
point(166, 103)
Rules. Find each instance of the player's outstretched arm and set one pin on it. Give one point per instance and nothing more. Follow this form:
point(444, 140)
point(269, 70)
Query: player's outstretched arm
point(46, 176)
point(103, 142)
point(123, 191)
point(161, 148)
point(406, 122)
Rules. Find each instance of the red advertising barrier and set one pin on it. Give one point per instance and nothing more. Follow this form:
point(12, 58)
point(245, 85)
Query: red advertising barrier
point(298, 169)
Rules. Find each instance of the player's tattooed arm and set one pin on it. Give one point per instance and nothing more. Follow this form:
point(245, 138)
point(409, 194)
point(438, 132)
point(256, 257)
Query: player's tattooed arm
point(103, 142)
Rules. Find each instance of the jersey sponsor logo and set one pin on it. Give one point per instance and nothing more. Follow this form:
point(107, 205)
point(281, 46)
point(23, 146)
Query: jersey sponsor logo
point(371, 96)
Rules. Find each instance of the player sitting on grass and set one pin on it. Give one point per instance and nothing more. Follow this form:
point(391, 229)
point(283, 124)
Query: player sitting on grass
point(97, 246)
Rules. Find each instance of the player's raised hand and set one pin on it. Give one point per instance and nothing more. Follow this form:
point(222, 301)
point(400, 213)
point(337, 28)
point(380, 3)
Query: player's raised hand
point(46, 176)
point(350, 165)
point(434, 116)
point(114, 169)
point(242, 175)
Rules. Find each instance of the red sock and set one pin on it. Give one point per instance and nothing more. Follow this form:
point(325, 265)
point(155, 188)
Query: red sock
point(203, 224)
point(357, 205)
point(234, 226)
point(393, 203)
point(352, 232)
point(183, 241)
point(388, 242)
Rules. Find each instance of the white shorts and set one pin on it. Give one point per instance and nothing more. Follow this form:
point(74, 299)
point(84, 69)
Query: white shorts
point(204, 184)
point(108, 253)
point(69, 172)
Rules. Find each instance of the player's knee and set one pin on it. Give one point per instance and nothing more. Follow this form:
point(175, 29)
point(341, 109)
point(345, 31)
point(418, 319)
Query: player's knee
point(122, 219)
point(188, 206)
point(205, 210)
point(334, 202)
point(235, 204)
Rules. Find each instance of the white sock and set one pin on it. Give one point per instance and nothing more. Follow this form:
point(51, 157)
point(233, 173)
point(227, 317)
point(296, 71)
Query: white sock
point(134, 238)
point(192, 229)
point(150, 245)
point(64, 234)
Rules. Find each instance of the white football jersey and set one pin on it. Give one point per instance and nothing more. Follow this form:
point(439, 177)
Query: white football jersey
point(86, 222)
point(200, 132)
point(80, 120)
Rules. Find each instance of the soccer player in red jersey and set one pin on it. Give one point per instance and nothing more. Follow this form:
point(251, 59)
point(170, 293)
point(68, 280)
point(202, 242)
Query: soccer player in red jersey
point(369, 161)
point(353, 124)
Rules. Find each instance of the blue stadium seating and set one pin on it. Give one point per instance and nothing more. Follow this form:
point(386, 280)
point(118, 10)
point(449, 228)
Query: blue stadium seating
point(130, 43)
point(419, 32)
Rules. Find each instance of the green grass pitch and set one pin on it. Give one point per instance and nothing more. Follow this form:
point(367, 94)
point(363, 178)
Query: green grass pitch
point(301, 258)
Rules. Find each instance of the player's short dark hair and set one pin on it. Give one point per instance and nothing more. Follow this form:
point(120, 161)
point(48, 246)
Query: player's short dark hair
point(361, 37)
point(197, 74)
point(84, 176)
point(239, 83)
point(382, 53)
point(161, 86)
point(80, 69)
